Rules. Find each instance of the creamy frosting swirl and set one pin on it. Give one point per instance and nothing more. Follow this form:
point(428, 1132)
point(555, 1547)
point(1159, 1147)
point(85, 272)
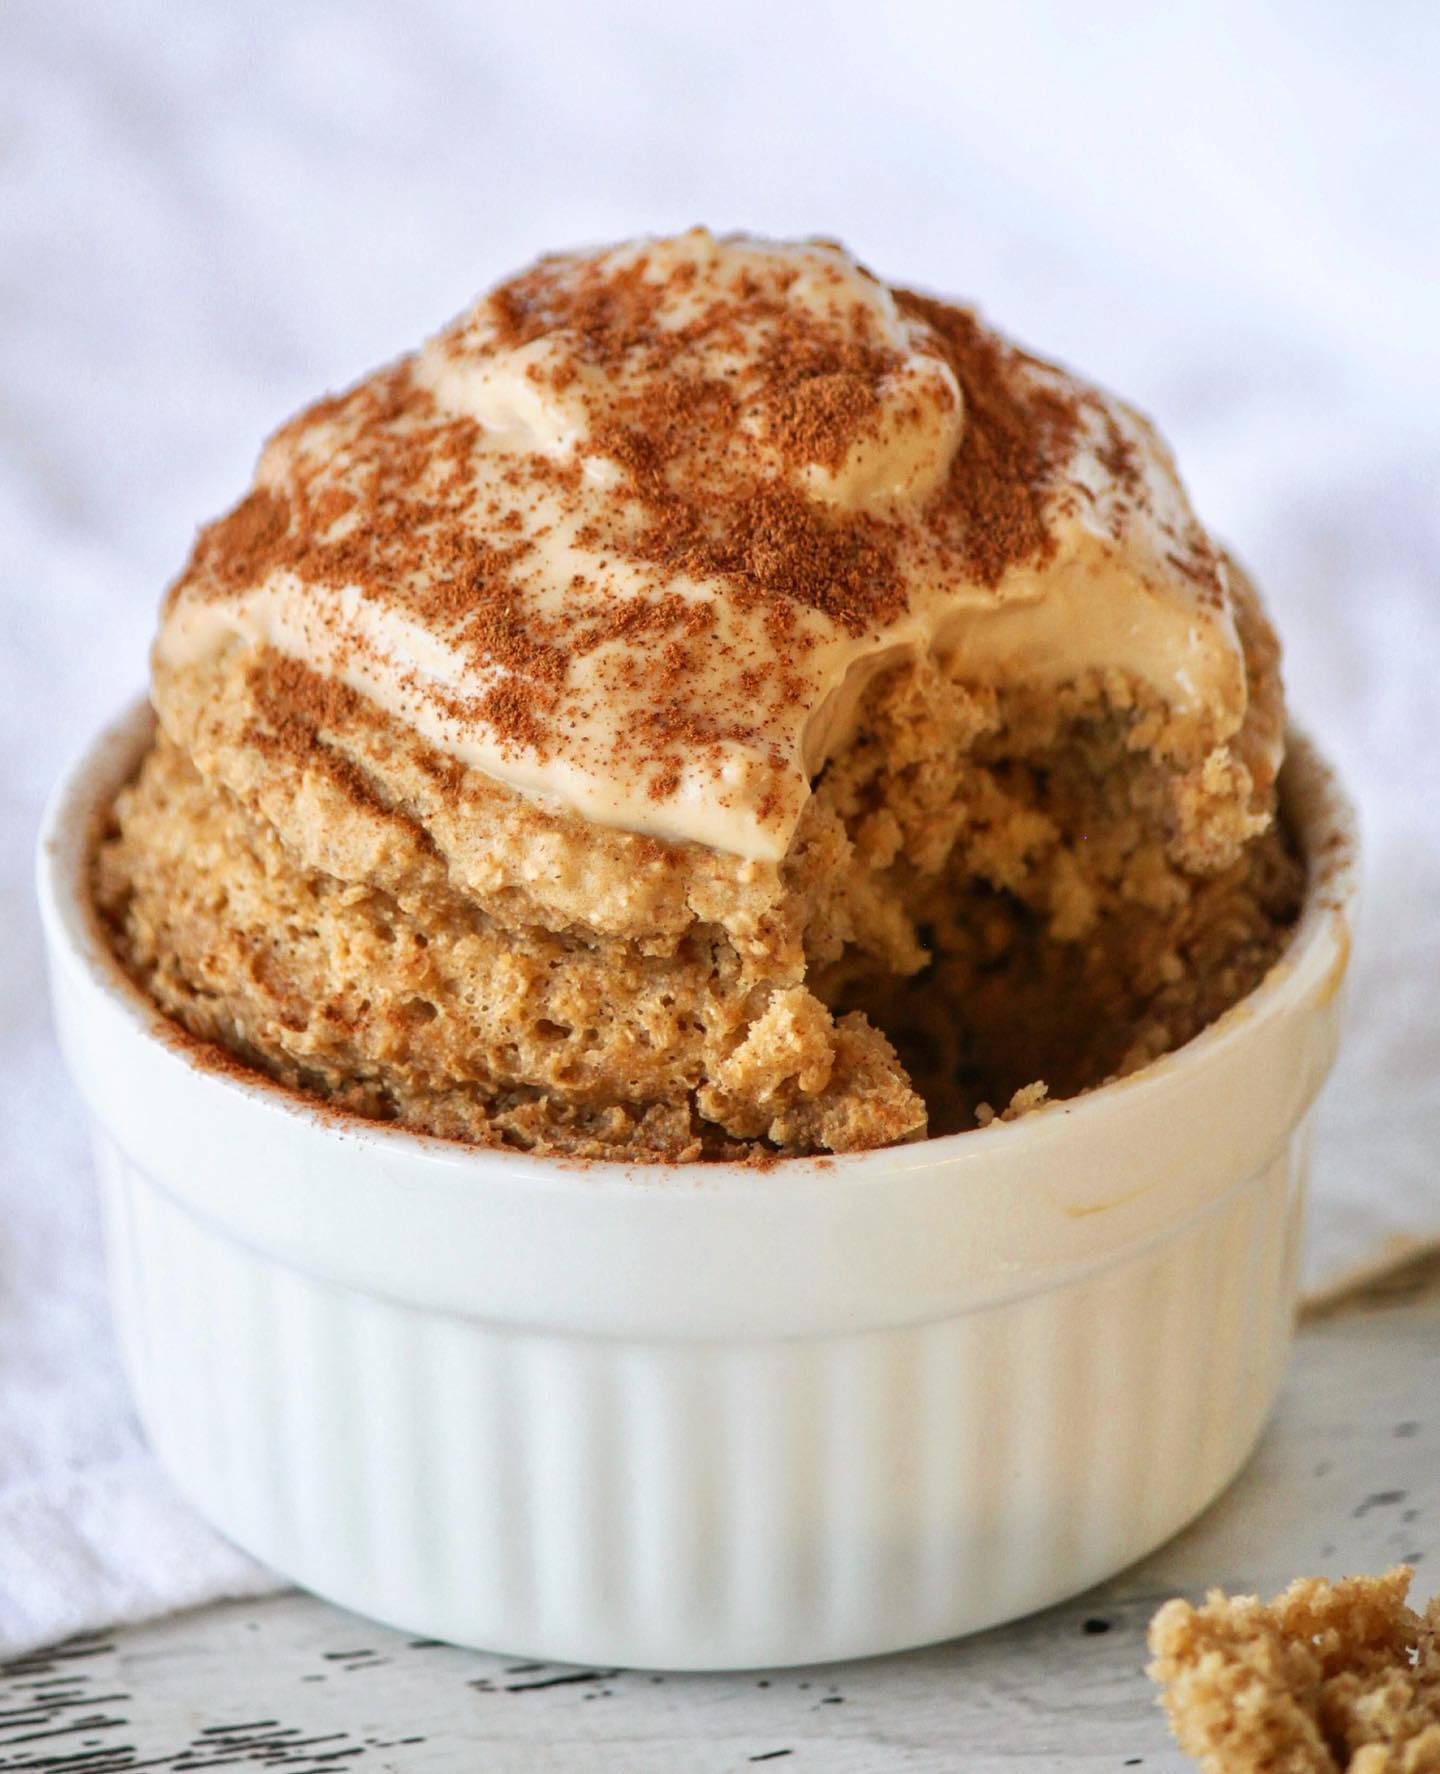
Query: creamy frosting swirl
point(633, 534)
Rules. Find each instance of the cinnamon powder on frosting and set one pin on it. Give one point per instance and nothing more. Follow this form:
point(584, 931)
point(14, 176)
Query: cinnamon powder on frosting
point(993, 509)
point(708, 488)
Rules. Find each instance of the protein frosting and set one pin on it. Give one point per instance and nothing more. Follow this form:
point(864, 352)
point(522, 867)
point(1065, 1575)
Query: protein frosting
point(633, 534)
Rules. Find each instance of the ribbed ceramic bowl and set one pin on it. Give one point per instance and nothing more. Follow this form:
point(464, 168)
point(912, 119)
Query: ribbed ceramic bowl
point(702, 1417)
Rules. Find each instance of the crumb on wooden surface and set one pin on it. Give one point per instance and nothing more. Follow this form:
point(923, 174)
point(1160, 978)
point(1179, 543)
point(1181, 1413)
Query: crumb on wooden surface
point(1327, 1678)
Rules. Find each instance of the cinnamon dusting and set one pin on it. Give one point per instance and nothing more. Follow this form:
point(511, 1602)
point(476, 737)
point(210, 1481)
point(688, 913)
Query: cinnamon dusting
point(697, 403)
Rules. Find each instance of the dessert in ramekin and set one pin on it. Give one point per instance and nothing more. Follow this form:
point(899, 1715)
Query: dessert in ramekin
point(649, 796)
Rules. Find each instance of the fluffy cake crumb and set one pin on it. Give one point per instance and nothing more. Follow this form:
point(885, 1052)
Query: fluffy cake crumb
point(1327, 1678)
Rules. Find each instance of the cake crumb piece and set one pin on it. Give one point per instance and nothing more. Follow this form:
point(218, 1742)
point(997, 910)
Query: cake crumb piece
point(1327, 1678)
point(1027, 1098)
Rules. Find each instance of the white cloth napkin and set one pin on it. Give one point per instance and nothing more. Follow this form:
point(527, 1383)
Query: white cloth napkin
point(209, 214)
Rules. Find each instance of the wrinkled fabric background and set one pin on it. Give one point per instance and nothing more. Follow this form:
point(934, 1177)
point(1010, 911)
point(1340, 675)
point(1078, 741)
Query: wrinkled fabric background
point(208, 215)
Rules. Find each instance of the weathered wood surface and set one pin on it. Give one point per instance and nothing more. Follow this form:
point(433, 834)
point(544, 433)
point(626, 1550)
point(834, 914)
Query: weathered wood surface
point(1348, 1478)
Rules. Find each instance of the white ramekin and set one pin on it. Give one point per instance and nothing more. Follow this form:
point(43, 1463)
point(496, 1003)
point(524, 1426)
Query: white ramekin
point(701, 1417)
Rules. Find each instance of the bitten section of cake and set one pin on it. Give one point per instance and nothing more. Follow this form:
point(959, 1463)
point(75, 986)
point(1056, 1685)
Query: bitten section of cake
point(706, 704)
point(1327, 1678)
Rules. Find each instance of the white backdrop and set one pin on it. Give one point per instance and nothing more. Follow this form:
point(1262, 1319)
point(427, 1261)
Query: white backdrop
point(1227, 211)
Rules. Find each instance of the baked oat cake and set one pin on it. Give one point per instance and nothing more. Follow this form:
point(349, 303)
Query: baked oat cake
point(706, 702)
point(1328, 1678)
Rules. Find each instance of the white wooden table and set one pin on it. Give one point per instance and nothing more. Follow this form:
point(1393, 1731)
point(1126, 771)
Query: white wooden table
point(1348, 1478)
